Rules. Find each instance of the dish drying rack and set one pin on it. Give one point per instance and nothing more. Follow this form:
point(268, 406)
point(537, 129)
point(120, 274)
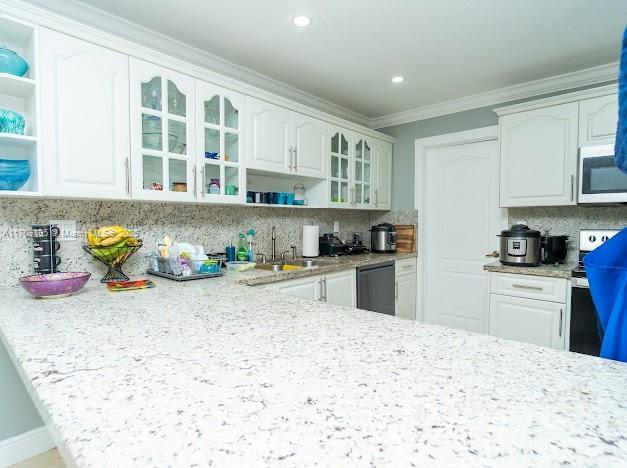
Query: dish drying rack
point(176, 268)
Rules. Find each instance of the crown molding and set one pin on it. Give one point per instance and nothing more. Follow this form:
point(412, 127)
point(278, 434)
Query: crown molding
point(556, 100)
point(586, 77)
point(117, 26)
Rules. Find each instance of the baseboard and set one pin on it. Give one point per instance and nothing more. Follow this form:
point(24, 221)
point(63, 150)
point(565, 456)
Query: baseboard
point(24, 446)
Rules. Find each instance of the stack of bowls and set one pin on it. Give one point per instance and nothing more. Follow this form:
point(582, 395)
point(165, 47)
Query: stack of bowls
point(13, 173)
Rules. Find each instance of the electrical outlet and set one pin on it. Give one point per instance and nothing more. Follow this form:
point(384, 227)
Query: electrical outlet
point(67, 228)
point(336, 226)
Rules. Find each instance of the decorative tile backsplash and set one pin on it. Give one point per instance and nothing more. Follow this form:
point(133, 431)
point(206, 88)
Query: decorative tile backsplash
point(208, 225)
point(570, 220)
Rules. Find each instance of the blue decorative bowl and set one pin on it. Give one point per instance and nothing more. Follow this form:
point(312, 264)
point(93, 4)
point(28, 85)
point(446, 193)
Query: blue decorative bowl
point(12, 63)
point(11, 122)
point(13, 173)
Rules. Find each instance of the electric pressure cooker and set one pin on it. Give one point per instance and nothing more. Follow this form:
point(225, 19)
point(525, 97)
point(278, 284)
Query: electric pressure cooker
point(383, 238)
point(520, 246)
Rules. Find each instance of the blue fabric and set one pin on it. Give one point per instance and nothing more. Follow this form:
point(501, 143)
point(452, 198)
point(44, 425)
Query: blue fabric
point(606, 269)
point(621, 132)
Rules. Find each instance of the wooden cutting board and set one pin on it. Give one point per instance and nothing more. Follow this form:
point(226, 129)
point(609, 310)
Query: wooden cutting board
point(406, 238)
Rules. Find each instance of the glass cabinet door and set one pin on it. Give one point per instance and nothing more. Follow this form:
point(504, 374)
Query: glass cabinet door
point(340, 169)
point(165, 168)
point(362, 174)
point(220, 146)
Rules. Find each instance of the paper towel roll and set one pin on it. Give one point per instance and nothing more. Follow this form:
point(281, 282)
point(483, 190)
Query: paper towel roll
point(310, 241)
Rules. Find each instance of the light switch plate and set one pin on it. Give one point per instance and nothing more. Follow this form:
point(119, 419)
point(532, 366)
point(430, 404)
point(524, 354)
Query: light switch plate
point(67, 228)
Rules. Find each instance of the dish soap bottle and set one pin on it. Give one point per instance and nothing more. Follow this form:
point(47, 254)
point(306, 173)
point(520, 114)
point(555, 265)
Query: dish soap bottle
point(242, 252)
point(250, 237)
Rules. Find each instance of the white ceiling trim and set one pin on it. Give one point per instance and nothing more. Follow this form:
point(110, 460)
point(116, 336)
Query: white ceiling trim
point(121, 27)
point(554, 84)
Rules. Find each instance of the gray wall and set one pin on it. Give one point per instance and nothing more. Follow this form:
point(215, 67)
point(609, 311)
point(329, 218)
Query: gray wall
point(403, 169)
point(17, 412)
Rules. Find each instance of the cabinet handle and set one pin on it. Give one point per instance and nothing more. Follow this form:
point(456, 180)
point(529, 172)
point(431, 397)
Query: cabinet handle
point(396, 290)
point(295, 158)
point(524, 286)
point(376, 197)
point(202, 179)
point(128, 177)
point(561, 320)
point(291, 158)
point(572, 187)
point(195, 178)
point(494, 254)
point(323, 289)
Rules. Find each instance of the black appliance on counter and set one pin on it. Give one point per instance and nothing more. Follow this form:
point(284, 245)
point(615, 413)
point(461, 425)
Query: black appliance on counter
point(586, 333)
point(332, 246)
point(45, 248)
point(553, 249)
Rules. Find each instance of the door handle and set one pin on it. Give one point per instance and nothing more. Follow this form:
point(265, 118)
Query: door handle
point(561, 320)
point(127, 175)
point(494, 254)
point(572, 187)
point(524, 286)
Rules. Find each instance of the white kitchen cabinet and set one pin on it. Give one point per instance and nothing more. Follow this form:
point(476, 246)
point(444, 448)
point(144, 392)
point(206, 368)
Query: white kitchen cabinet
point(340, 176)
point(309, 146)
point(163, 126)
point(528, 320)
point(383, 168)
point(220, 130)
point(335, 288)
point(269, 129)
point(340, 288)
point(405, 296)
point(307, 288)
point(85, 115)
point(363, 171)
point(598, 118)
point(285, 142)
point(539, 156)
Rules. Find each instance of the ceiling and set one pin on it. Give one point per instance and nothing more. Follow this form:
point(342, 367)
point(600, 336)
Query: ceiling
point(446, 49)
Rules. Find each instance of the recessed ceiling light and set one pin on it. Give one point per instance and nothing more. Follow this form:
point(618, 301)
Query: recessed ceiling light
point(302, 21)
point(398, 79)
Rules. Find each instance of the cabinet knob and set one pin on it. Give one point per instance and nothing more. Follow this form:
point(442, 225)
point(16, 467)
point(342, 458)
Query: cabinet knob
point(494, 254)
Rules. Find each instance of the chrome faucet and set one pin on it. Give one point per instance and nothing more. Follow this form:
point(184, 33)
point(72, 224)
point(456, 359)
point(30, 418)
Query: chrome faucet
point(273, 243)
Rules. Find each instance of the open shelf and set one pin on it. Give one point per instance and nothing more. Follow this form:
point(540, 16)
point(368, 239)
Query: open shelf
point(13, 140)
point(16, 86)
point(270, 205)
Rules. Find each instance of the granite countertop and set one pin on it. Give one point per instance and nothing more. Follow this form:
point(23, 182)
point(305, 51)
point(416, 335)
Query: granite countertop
point(214, 372)
point(563, 270)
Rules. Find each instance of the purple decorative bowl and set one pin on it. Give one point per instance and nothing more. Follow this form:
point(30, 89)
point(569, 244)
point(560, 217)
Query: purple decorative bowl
point(55, 284)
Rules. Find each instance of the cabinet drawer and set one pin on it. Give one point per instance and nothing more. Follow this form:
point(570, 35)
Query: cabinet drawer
point(531, 287)
point(405, 267)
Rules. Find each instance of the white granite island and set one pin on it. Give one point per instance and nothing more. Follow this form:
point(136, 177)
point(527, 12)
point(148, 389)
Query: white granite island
point(217, 373)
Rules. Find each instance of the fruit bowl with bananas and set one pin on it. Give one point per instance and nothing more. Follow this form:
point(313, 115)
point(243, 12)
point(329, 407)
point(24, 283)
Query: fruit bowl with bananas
point(112, 245)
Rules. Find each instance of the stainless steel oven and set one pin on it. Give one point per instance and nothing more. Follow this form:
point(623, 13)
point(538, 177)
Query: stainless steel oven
point(600, 180)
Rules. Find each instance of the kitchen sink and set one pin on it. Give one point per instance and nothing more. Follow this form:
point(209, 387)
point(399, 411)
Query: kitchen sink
point(287, 265)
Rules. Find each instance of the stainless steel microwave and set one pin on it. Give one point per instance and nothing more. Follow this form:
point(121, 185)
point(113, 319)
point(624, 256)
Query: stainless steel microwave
point(600, 180)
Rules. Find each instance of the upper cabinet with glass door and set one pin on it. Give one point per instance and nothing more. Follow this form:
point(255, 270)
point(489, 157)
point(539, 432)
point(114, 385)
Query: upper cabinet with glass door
point(162, 133)
point(340, 170)
point(220, 143)
point(361, 196)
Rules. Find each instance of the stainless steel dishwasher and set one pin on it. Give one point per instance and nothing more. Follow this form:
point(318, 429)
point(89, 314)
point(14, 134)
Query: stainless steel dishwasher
point(375, 288)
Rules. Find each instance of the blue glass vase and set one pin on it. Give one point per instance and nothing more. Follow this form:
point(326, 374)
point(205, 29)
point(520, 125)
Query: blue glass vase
point(11, 122)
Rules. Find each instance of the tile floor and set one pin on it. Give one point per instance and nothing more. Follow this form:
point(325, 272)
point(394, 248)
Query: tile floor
point(49, 459)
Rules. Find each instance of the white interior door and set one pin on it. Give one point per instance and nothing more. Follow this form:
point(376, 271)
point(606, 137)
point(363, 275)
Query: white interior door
point(462, 221)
